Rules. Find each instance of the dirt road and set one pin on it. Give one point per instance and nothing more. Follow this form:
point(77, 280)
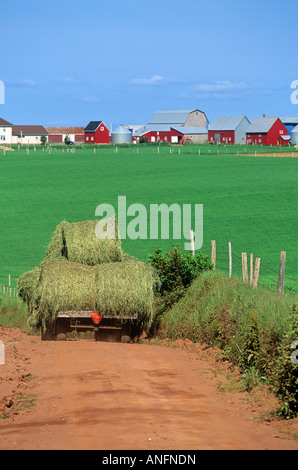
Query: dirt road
point(112, 396)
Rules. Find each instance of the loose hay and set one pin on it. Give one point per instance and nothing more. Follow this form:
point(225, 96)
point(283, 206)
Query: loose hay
point(78, 242)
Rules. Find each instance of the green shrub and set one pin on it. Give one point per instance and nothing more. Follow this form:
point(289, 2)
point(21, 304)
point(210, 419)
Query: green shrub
point(176, 270)
point(14, 314)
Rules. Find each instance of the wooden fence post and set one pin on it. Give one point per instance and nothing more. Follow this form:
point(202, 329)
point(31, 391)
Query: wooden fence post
point(244, 267)
point(256, 273)
point(230, 259)
point(213, 253)
point(251, 269)
point(281, 276)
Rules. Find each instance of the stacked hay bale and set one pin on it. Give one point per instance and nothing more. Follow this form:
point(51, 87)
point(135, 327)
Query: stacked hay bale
point(81, 272)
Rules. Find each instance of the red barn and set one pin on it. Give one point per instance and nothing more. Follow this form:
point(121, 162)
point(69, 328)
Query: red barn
point(97, 133)
point(284, 140)
point(265, 131)
point(228, 130)
point(161, 133)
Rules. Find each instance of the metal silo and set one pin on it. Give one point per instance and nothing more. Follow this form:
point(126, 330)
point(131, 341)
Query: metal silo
point(121, 136)
point(294, 136)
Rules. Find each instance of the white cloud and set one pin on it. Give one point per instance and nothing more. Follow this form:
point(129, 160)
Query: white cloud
point(27, 82)
point(68, 80)
point(21, 83)
point(218, 90)
point(155, 80)
point(221, 86)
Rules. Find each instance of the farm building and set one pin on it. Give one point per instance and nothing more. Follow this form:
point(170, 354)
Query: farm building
point(133, 128)
point(284, 140)
point(58, 134)
point(265, 131)
point(5, 132)
point(196, 135)
point(174, 126)
point(184, 117)
point(294, 136)
point(174, 135)
point(289, 122)
point(158, 133)
point(28, 135)
point(121, 136)
point(97, 133)
point(228, 130)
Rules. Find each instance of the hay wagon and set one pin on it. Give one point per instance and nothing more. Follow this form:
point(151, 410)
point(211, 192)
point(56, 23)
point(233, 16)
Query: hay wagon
point(122, 328)
point(85, 283)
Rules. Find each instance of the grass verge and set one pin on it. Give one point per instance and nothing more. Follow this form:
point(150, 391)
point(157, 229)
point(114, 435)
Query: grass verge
point(14, 314)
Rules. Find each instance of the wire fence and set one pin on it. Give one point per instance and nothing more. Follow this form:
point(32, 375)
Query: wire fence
point(232, 263)
point(229, 262)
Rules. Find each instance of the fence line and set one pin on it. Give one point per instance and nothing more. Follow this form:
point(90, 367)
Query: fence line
point(8, 289)
point(251, 274)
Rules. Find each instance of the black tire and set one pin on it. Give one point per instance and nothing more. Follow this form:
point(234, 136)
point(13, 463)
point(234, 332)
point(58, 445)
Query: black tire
point(48, 335)
point(125, 339)
point(61, 329)
point(126, 333)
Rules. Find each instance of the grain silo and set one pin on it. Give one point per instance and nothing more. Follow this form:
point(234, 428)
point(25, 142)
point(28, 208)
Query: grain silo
point(294, 136)
point(121, 136)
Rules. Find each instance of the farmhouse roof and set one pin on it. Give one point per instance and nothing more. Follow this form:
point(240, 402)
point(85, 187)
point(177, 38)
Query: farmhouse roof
point(174, 116)
point(4, 123)
point(289, 120)
point(190, 130)
point(29, 130)
point(92, 126)
point(64, 130)
point(261, 125)
point(226, 123)
point(141, 131)
point(158, 127)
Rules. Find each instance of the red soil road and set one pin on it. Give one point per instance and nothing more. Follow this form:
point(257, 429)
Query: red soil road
point(114, 396)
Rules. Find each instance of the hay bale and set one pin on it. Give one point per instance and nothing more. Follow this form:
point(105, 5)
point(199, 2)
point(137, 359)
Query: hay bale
point(26, 286)
point(126, 289)
point(77, 242)
point(114, 289)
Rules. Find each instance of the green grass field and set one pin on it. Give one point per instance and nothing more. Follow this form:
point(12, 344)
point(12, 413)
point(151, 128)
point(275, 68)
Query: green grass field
point(249, 201)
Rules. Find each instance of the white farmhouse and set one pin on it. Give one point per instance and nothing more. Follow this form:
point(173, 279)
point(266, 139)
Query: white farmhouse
point(5, 132)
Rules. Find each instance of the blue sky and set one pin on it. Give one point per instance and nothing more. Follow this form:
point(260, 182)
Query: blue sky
point(66, 62)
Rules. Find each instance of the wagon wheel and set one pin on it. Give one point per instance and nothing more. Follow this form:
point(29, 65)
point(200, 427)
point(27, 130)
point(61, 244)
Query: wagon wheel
point(48, 335)
point(61, 329)
point(126, 333)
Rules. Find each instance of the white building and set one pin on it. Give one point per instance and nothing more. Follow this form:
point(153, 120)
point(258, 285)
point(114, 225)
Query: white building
point(28, 135)
point(5, 132)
